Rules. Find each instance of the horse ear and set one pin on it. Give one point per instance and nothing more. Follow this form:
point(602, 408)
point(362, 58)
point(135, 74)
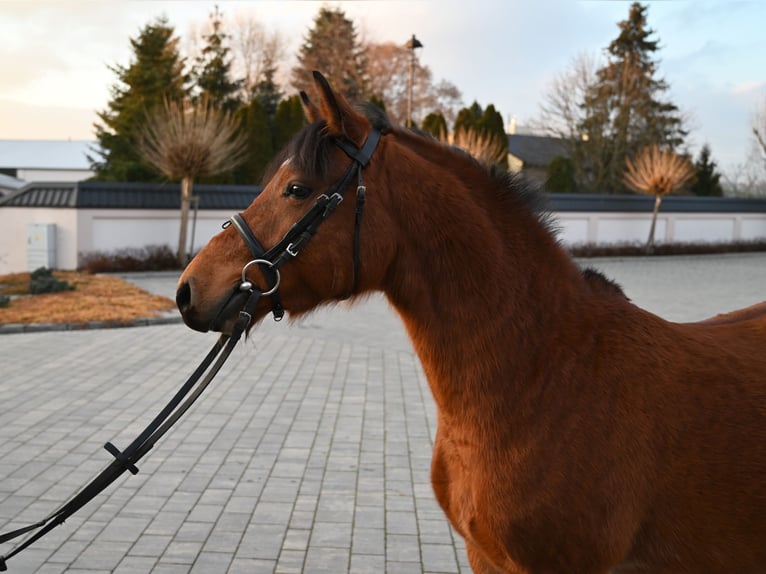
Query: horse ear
point(311, 111)
point(337, 112)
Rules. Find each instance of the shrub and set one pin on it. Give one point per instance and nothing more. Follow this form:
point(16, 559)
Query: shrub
point(42, 281)
point(150, 258)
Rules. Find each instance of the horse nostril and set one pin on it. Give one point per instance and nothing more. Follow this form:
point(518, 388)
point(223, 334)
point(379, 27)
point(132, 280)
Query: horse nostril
point(183, 296)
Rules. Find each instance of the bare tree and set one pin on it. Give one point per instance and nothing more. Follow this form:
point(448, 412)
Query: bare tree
point(759, 131)
point(183, 141)
point(254, 50)
point(388, 67)
point(659, 173)
point(561, 111)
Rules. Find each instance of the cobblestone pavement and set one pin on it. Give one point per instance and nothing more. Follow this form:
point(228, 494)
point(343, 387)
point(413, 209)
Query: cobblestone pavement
point(309, 453)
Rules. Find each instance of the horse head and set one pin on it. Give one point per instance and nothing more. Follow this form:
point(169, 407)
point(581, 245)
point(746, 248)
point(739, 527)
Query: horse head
point(313, 199)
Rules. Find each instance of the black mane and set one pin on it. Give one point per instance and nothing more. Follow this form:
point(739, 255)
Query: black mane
point(311, 150)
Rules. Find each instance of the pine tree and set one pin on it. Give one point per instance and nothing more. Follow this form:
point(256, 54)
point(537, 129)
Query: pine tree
point(706, 178)
point(212, 70)
point(154, 75)
point(332, 48)
point(436, 125)
point(491, 125)
point(624, 109)
point(469, 118)
point(288, 121)
point(482, 133)
point(257, 130)
point(267, 92)
point(561, 176)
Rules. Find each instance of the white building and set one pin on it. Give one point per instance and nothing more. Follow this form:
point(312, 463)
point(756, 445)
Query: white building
point(44, 160)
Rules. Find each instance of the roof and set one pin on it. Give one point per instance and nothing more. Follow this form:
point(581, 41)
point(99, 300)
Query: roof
point(119, 195)
point(537, 151)
point(10, 183)
point(46, 154)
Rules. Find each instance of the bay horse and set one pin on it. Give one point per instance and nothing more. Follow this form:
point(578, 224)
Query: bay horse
point(577, 433)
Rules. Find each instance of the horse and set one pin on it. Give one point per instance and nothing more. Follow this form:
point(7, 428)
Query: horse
point(576, 432)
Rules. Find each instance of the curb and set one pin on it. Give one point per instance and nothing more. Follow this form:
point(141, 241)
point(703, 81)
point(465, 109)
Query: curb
point(15, 328)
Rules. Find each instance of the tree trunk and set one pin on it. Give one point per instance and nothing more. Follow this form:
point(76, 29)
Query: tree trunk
point(650, 241)
point(186, 190)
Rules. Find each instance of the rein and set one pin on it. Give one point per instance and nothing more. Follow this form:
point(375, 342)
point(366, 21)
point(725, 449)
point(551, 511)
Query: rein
point(127, 459)
point(269, 262)
point(291, 244)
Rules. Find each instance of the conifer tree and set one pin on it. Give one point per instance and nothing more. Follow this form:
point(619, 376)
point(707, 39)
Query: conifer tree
point(212, 70)
point(492, 126)
point(436, 125)
point(332, 47)
point(482, 129)
point(257, 131)
point(707, 180)
point(288, 121)
point(154, 75)
point(469, 118)
point(624, 108)
point(267, 92)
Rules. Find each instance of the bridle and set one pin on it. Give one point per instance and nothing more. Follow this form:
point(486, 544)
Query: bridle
point(292, 243)
point(269, 261)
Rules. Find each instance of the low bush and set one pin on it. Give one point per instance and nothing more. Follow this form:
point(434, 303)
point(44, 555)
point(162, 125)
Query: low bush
point(636, 248)
point(150, 258)
point(42, 281)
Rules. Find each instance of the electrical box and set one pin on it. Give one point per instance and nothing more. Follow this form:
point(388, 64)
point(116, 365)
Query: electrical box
point(41, 246)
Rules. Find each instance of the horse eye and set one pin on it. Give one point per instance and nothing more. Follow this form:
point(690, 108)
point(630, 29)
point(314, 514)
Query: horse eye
point(298, 191)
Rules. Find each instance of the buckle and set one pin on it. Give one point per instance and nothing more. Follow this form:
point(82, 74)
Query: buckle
point(292, 250)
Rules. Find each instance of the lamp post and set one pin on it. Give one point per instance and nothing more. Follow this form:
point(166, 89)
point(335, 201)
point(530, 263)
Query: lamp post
point(411, 45)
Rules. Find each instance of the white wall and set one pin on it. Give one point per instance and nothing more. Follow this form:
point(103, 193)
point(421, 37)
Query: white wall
point(107, 230)
point(87, 230)
point(13, 236)
point(608, 227)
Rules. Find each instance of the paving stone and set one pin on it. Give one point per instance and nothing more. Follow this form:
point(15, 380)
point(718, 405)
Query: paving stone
point(310, 452)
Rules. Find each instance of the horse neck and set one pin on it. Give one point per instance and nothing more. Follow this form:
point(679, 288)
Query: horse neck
point(479, 281)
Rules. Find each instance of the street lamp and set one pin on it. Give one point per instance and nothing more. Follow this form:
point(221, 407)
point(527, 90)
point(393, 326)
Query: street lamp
point(411, 45)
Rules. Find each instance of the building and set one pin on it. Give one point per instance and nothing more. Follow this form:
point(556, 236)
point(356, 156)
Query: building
point(55, 224)
point(9, 184)
point(532, 154)
point(44, 161)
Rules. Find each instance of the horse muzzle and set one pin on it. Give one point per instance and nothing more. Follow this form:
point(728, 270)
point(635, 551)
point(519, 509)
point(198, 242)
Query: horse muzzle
point(204, 318)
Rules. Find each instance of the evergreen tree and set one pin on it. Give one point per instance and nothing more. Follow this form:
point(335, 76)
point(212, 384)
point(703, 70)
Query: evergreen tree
point(267, 92)
point(154, 74)
point(469, 119)
point(288, 121)
point(332, 48)
point(257, 130)
point(624, 109)
point(482, 129)
point(436, 125)
point(706, 178)
point(491, 125)
point(212, 70)
point(561, 176)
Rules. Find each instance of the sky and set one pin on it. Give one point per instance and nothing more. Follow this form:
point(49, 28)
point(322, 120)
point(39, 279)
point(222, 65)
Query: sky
point(55, 55)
